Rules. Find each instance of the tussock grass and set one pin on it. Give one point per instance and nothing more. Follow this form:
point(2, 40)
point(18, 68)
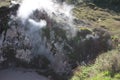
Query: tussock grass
point(4, 3)
point(106, 67)
point(99, 17)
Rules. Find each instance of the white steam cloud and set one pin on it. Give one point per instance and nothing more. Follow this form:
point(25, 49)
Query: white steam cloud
point(52, 8)
point(31, 13)
point(40, 24)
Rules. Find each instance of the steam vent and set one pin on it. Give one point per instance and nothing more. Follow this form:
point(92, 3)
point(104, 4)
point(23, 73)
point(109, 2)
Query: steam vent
point(59, 40)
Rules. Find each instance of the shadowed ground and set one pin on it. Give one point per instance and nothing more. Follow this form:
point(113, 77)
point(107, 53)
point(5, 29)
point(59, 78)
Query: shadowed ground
point(20, 74)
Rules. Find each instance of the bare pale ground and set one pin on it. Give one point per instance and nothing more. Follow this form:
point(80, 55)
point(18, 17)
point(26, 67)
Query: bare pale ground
point(20, 74)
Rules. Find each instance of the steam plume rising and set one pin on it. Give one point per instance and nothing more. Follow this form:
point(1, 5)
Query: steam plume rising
point(59, 13)
point(52, 8)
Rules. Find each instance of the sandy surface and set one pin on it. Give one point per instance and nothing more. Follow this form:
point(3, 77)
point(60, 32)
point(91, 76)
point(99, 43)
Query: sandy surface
point(20, 74)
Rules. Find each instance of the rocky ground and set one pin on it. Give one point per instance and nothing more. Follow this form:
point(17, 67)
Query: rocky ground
point(95, 27)
point(20, 74)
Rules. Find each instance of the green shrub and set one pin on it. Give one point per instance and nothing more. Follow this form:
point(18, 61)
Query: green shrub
point(116, 41)
point(117, 76)
point(106, 67)
point(109, 61)
point(82, 72)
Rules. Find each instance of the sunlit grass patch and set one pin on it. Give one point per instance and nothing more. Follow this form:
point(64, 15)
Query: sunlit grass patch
point(4, 2)
point(106, 67)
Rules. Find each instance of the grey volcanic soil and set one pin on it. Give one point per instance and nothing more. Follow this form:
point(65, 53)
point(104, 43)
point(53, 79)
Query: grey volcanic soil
point(20, 74)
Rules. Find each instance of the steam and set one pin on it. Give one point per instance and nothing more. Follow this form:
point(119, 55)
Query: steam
point(52, 8)
point(31, 13)
point(40, 24)
point(59, 12)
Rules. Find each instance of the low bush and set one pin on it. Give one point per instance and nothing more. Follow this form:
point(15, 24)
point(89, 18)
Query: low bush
point(109, 61)
point(106, 67)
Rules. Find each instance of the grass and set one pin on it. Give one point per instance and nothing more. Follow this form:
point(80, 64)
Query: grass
point(4, 3)
point(106, 67)
point(99, 17)
point(109, 61)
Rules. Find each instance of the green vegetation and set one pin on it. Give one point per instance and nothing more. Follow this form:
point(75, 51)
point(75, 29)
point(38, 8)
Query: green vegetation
point(106, 67)
point(109, 61)
point(99, 17)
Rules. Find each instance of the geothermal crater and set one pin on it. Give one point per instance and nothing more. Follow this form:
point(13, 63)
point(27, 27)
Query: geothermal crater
point(44, 36)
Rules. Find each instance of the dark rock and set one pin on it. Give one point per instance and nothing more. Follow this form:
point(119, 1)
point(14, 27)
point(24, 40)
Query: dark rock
point(5, 13)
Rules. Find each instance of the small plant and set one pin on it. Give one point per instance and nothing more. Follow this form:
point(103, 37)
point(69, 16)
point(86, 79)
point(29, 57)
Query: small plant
point(106, 67)
point(109, 61)
point(81, 73)
point(117, 76)
point(116, 41)
point(102, 76)
point(83, 31)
